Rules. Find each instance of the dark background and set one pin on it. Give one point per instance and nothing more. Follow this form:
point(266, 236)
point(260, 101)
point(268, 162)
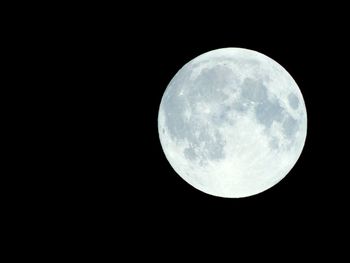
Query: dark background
point(152, 199)
point(140, 58)
point(104, 70)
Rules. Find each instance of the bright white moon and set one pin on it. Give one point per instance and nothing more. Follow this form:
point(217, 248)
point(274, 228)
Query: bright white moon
point(232, 122)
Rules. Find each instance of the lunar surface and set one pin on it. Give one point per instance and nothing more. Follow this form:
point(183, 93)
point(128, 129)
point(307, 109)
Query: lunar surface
point(232, 122)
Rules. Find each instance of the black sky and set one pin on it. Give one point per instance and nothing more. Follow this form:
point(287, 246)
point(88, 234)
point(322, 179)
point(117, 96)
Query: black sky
point(127, 62)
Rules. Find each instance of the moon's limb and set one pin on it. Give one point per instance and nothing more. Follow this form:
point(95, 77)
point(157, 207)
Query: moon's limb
point(232, 122)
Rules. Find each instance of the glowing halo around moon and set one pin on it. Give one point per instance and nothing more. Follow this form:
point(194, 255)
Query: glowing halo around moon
point(232, 122)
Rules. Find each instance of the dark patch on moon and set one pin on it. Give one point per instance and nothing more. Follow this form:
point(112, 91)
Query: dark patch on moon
point(216, 147)
point(190, 154)
point(293, 101)
point(240, 106)
point(208, 86)
point(173, 109)
point(174, 105)
point(221, 116)
point(212, 146)
point(268, 111)
point(253, 90)
point(290, 126)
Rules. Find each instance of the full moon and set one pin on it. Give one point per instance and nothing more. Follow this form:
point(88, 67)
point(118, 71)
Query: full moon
point(232, 122)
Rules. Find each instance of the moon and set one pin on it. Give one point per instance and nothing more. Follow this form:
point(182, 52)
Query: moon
point(232, 122)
